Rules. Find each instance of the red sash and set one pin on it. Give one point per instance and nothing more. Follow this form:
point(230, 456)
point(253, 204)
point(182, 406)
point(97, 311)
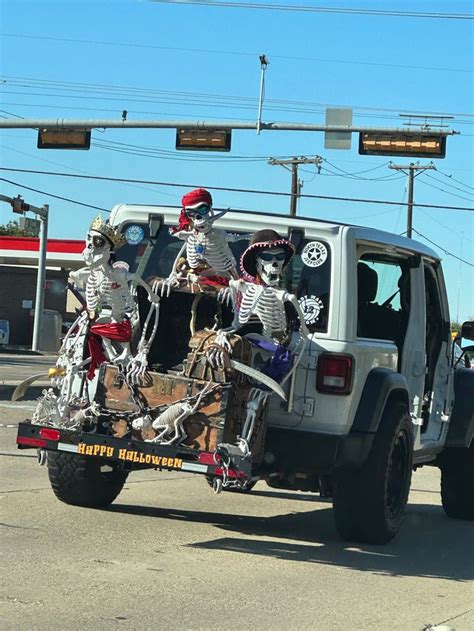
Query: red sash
point(118, 331)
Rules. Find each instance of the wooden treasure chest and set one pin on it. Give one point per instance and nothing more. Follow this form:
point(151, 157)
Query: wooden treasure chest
point(218, 420)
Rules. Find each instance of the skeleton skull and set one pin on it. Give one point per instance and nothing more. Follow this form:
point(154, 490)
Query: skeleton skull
point(97, 250)
point(201, 217)
point(269, 265)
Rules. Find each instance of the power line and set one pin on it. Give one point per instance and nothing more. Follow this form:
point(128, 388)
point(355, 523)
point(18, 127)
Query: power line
point(232, 52)
point(234, 100)
point(35, 157)
point(64, 199)
point(456, 188)
point(450, 177)
point(442, 249)
point(309, 9)
point(447, 227)
point(444, 191)
point(231, 189)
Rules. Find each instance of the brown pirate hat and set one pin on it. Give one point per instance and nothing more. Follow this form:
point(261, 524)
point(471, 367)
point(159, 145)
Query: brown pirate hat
point(264, 240)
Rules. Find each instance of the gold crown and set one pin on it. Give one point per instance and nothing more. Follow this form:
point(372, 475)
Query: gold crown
point(109, 232)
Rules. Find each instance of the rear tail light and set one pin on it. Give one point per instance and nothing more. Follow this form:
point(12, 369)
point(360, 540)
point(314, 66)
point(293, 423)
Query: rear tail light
point(335, 372)
point(50, 434)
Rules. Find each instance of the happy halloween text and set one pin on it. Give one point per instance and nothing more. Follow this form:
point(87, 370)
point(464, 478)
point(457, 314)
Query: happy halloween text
point(130, 455)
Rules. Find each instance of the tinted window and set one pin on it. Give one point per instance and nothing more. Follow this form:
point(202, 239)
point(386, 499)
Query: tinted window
point(306, 277)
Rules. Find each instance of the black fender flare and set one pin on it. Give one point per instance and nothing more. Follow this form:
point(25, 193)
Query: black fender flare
point(380, 384)
point(461, 425)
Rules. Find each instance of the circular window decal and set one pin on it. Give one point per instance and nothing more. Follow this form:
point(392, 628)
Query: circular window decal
point(314, 254)
point(311, 307)
point(134, 235)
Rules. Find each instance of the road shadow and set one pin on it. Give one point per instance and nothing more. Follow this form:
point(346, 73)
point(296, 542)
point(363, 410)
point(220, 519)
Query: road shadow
point(32, 393)
point(430, 545)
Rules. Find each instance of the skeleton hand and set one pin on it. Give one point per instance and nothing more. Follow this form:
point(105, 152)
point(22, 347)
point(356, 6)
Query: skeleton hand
point(137, 368)
point(219, 350)
point(163, 287)
point(225, 296)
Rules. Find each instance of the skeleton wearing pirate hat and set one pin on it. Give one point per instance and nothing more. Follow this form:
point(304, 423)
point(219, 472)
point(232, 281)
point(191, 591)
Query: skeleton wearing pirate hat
point(257, 296)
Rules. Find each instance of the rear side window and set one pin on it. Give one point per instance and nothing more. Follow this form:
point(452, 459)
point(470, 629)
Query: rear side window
point(308, 276)
point(383, 293)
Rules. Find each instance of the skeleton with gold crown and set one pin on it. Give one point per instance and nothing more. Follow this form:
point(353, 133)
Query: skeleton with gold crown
point(105, 324)
point(109, 289)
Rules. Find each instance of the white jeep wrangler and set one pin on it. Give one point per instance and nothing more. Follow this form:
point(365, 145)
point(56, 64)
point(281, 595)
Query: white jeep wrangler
point(377, 392)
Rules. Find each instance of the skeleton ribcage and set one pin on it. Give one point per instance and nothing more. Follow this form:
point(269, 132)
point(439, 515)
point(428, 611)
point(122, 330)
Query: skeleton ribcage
point(106, 291)
point(211, 248)
point(266, 305)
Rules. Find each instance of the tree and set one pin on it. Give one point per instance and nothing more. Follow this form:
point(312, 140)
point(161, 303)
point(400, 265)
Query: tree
point(12, 229)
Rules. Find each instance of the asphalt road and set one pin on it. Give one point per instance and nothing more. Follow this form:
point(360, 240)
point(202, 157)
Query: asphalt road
point(169, 554)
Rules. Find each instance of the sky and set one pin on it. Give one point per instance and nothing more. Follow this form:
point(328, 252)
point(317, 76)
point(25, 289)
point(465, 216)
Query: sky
point(189, 61)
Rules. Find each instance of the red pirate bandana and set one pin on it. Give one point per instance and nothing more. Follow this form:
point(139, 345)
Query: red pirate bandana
point(196, 197)
point(191, 200)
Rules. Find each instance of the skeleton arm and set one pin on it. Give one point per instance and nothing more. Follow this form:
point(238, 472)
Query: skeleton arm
point(164, 287)
point(304, 335)
point(233, 238)
point(221, 345)
point(138, 365)
point(294, 301)
point(80, 276)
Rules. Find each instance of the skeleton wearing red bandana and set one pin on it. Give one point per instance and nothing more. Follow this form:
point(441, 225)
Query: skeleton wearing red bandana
point(206, 248)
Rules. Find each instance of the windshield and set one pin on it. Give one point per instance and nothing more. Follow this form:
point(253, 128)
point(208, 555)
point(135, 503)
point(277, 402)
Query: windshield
point(307, 276)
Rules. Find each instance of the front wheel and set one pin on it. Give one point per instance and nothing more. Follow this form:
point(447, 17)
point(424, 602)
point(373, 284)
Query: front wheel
point(369, 504)
point(457, 483)
point(83, 481)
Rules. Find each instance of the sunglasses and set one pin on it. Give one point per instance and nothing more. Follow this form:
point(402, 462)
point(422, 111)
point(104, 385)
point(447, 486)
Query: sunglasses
point(200, 211)
point(268, 256)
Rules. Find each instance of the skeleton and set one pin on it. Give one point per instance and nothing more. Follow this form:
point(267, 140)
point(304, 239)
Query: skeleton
point(259, 298)
point(109, 300)
point(204, 245)
point(171, 420)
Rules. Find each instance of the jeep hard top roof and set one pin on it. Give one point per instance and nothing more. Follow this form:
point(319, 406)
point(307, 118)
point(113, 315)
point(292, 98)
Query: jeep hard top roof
point(250, 221)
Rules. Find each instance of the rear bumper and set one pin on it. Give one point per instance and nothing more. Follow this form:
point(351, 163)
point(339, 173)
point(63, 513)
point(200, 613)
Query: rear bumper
point(132, 454)
point(294, 451)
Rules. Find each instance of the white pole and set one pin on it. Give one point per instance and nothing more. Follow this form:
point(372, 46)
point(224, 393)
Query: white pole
point(40, 281)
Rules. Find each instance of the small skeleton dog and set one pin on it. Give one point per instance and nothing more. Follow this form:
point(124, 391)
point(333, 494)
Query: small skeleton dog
point(169, 424)
point(256, 296)
point(205, 250)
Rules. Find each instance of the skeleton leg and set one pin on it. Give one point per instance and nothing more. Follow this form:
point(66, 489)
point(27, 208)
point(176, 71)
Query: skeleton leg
point(257, 398)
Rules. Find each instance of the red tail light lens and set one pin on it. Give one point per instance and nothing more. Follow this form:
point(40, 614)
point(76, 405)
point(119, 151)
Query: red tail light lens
point(50, 434)
point(335, 372)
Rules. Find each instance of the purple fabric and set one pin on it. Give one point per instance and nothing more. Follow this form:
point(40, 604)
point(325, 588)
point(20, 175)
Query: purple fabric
point(277, 366)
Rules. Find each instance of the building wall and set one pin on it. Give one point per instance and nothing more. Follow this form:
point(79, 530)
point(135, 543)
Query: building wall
point(18, 284)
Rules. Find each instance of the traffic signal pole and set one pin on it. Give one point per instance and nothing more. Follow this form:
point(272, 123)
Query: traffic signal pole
point(21, 207)
point(40, 281)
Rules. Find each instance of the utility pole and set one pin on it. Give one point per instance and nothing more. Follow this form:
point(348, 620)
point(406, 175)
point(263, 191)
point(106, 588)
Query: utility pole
point(295, 182)
point(21, 207)
point(409, 170)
